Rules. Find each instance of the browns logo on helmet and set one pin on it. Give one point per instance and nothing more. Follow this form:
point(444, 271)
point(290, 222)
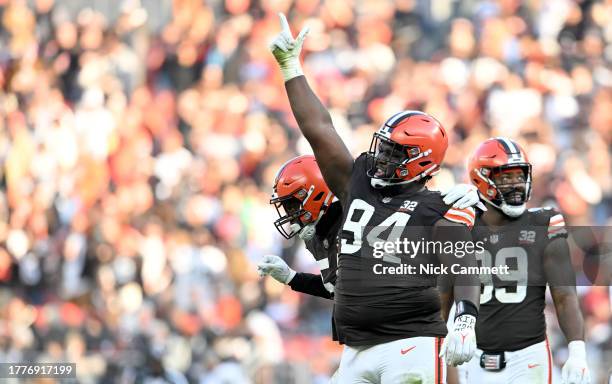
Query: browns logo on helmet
point(408, 147)
point(300, 196)
point(494, 158)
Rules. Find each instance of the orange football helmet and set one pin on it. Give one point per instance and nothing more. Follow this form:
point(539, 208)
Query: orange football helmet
point(408, 147)
point(300, 195)
point(498, 155)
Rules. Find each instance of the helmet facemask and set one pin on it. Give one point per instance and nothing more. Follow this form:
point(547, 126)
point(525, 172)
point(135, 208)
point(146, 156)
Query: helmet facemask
point(290, 210)
point(509, 196)
point(300, 197)
point(294, 219)
point(387, 162)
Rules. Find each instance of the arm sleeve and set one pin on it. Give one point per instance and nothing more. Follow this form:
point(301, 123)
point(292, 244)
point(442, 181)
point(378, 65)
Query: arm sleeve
point(310, 284)
point(464, 216)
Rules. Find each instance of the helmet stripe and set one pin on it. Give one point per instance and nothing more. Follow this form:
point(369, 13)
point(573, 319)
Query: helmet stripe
point(506, 144)
point(394, 120)
point(281, 169)
point(395, 116)
point(511, 149)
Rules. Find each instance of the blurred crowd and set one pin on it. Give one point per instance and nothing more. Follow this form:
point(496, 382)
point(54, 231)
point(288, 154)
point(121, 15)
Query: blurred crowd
point(137, 164)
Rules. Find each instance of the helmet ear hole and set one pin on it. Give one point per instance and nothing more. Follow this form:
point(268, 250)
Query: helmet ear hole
point(424, 163)
point(318, 197)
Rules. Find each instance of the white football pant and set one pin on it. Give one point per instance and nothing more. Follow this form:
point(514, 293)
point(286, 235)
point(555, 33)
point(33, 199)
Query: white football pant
point(412, 360)
point(531, 365)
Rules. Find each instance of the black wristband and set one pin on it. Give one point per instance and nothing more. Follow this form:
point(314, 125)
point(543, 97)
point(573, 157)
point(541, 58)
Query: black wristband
point(466, 307)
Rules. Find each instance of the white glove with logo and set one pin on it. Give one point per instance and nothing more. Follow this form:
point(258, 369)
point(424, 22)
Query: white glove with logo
point(286, 49)
point(575, 370)
point(276, 267)
point(463, 196)
point(460, 343)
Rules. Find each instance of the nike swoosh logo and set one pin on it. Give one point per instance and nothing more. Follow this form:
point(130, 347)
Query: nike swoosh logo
point(405, 351)
point(532, 365)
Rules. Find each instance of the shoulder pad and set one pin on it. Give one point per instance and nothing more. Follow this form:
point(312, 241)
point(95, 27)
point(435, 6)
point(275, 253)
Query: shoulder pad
point(541, 215)
point(550, 218)
point(537, 209)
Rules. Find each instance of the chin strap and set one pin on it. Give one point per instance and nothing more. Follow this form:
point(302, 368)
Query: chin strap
point(507, 209)
point(513, 210)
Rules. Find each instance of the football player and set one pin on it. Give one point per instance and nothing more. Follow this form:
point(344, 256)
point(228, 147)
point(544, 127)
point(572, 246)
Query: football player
point(308, 209)
point(511, 328)
point(392, 326)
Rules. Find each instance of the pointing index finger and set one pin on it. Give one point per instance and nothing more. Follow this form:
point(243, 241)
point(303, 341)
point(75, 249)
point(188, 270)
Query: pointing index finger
point(284, 23)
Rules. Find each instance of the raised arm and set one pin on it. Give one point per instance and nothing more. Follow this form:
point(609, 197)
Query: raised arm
point(314, 121)
point(333, 158)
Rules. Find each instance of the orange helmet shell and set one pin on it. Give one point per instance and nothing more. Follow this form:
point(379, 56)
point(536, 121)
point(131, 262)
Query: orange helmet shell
point(495, 153)
point(301, 178)
point(424, 139)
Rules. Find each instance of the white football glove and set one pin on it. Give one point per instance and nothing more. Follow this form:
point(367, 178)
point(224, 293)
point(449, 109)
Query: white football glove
point(460, 343)
point(286, 49)
point(462, 196)
point(306, 232)
point(276, 267)
point(575, 369)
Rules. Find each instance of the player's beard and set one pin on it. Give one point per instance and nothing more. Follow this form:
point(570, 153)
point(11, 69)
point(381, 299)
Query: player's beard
point(515, 196)
point(514, 202)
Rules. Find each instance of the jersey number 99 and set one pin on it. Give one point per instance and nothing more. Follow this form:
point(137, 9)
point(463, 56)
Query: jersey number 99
point(519, 275)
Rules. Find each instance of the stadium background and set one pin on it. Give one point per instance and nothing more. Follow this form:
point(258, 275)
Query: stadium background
point(140, 139)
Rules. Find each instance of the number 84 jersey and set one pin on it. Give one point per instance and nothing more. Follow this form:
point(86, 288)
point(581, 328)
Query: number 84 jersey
point(511, 315)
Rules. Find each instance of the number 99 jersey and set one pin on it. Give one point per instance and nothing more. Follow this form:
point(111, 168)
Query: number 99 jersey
point(511, 315)
point(371, 307)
